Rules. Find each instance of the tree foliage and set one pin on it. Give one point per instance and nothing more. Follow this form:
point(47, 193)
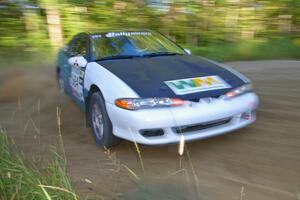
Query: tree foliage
point(31, 24)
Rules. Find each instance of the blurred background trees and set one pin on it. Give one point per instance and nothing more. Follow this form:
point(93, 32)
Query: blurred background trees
point(209, 27)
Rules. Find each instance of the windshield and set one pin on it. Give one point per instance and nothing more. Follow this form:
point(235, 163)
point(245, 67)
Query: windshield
point(132, 44)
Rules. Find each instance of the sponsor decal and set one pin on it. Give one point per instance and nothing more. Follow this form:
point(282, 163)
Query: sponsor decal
point(96, 36)
point(76, 82)
point(197, 84)
point(117, 34)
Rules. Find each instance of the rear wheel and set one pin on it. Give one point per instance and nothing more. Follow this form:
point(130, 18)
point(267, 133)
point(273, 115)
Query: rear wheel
point(100, 123)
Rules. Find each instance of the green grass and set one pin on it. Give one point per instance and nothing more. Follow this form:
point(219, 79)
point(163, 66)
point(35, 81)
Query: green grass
point(22, 180)
point(16, 59)
point(260, 49)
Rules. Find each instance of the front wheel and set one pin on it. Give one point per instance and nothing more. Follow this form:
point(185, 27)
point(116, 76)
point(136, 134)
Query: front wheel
point(100, 123)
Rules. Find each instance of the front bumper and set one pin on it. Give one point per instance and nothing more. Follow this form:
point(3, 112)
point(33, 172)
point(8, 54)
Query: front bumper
point(128, 124)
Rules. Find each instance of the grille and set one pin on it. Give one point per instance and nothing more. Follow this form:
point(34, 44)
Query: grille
point(198, 99)
point(202, 126)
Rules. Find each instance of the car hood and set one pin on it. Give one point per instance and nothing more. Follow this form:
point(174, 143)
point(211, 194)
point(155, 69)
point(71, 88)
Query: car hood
point(147, 76)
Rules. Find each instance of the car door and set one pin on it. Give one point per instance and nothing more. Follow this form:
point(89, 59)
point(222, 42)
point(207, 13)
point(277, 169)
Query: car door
point(64, 66)
point(74, 87)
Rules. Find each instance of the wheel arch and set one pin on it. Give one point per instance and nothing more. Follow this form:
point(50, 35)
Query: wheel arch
point(93, 88)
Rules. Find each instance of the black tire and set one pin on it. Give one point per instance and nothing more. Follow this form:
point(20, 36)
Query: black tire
point(107, 138)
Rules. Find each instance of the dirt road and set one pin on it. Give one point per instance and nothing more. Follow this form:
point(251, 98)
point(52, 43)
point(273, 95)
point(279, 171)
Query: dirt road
point(260, 162)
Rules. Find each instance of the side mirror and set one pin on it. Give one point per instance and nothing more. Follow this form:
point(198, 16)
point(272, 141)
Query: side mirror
point(188, 51)
point(78, 61)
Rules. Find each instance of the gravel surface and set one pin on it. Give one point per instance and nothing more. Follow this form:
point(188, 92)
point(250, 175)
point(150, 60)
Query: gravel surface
point(260, 162)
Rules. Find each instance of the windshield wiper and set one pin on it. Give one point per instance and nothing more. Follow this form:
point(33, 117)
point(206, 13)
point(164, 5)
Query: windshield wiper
point(135, 56)
point(117, 57)
point(161, 54)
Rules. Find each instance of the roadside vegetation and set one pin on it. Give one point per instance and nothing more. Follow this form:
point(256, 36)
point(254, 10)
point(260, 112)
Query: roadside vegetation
point(261, 49)
point(20, 179)
point(219, 29)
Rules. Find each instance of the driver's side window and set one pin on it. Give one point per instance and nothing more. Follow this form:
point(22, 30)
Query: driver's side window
point(77, 47)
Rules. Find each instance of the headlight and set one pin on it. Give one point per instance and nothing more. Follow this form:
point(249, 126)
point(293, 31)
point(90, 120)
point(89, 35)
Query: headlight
point(238, 91)
point(138, 103)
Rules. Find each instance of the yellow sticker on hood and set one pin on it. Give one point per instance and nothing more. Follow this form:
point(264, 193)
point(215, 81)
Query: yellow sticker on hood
point(197, 84)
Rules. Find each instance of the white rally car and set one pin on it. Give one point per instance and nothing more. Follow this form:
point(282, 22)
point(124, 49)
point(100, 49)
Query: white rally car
point(142, 87)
